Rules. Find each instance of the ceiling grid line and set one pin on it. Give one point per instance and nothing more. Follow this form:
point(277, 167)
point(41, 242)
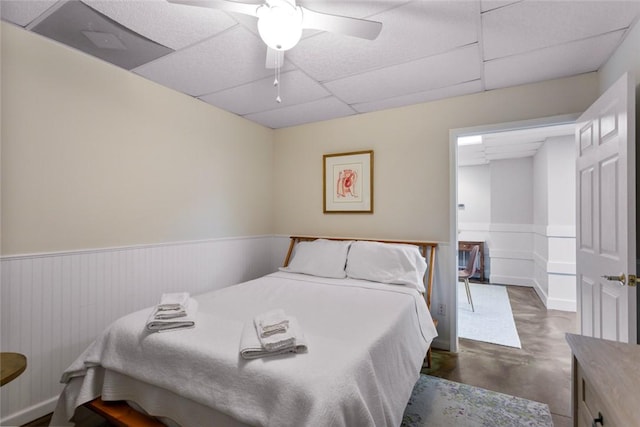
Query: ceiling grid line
point(480, 46)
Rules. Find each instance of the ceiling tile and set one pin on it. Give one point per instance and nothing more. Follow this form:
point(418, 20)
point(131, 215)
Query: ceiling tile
point(515, 155)
point(512, 143)
point(561, 61)
point(295, 88)
point(172, 25)
point(22, 12)
point(523, 136)
point(530, 25)
point(412, 31)
point(458, 66)
point(473, 149)
point(355, 9)
point(74, 24)
point(513, 147)
point(315, 111)
point(420, 97)
point(233, 58)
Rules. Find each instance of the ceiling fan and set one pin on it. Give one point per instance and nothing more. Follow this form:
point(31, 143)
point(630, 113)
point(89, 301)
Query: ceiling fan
point(280, 23)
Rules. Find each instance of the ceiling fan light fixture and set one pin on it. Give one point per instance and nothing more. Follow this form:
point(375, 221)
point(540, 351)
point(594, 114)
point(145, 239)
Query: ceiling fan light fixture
point(280, 27)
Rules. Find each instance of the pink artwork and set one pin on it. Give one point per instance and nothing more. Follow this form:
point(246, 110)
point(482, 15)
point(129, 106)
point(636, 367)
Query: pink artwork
point(346, 184)
point(348, 179)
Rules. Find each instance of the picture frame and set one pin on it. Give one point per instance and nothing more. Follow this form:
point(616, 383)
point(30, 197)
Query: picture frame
point(348, 182)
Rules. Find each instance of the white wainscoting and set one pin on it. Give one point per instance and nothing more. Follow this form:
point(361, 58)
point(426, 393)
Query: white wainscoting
point(508, 251)
point(555, 266)
point(542, 257)
point(53, 305)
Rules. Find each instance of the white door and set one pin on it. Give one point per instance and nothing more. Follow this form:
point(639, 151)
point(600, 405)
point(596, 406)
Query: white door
point(605, 227)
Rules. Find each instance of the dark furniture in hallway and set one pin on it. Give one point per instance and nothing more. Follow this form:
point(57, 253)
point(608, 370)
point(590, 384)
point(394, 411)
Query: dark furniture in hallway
point(464, 249)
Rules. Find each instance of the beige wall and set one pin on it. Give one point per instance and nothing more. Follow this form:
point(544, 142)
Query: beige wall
point(412, 166)
point(95, 156)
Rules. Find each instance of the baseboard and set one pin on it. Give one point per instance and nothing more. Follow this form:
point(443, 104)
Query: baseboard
point(561, 304)
point(31, 413)
point(440, 344)
point(541, 293)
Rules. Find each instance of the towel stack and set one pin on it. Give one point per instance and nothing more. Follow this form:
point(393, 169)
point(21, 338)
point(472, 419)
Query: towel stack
point(272, 333)
point(175, 311)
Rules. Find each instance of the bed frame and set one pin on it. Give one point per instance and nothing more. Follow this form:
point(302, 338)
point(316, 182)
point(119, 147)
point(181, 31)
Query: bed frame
point(120, 414)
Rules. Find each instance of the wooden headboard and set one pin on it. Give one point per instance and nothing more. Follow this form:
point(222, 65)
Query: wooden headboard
point(427, 249)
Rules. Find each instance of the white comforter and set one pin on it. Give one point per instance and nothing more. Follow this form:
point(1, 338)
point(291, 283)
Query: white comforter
point(366, 342)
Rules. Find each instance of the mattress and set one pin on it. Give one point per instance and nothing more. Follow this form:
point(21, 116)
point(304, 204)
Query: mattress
point(366, 344)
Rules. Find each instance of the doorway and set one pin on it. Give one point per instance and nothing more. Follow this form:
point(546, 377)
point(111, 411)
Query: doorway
point(498, 209)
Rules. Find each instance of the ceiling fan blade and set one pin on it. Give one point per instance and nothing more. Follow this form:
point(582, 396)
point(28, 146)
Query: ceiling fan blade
point(340, 24)
point(275, 58)
point(226, 5)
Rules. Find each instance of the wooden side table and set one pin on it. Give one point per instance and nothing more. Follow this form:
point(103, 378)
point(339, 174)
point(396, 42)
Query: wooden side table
point(11, 365)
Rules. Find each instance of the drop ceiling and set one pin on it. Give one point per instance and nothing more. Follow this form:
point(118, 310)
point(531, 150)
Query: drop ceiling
point(427, 50)
point(512, 144)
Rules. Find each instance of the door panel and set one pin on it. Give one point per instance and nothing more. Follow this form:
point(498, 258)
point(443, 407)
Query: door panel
point(605, 232)
point(610, 307)
point(586, 295)
point(608, 123)
point(585, 182)
point(609, 208)
point(586, 138)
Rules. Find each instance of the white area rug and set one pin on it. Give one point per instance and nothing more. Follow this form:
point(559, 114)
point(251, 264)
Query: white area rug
point(492, 321)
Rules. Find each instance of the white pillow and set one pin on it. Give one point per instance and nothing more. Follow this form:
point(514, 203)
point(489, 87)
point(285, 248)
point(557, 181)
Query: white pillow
point(321, 257)
point(387, 263)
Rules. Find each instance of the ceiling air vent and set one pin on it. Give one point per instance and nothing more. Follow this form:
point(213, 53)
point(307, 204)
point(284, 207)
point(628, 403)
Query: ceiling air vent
point(104, 40)
point(77, 25)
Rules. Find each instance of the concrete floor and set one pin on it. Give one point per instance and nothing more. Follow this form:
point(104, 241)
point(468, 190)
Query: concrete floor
point(540, 371)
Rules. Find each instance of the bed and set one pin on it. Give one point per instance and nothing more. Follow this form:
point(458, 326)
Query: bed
point(362, 306)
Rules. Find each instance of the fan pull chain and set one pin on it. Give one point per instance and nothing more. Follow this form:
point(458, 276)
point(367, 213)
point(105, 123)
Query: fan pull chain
point(276, 81)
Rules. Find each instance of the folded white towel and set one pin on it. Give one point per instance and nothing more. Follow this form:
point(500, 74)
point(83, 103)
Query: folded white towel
point(155, 324)
point(275, 341)
point(251, 347)
point(173, 301)
point(271, 322)
point(169, 314)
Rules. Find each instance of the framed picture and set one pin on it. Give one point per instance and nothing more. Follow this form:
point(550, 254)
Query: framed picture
point(348, 182)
